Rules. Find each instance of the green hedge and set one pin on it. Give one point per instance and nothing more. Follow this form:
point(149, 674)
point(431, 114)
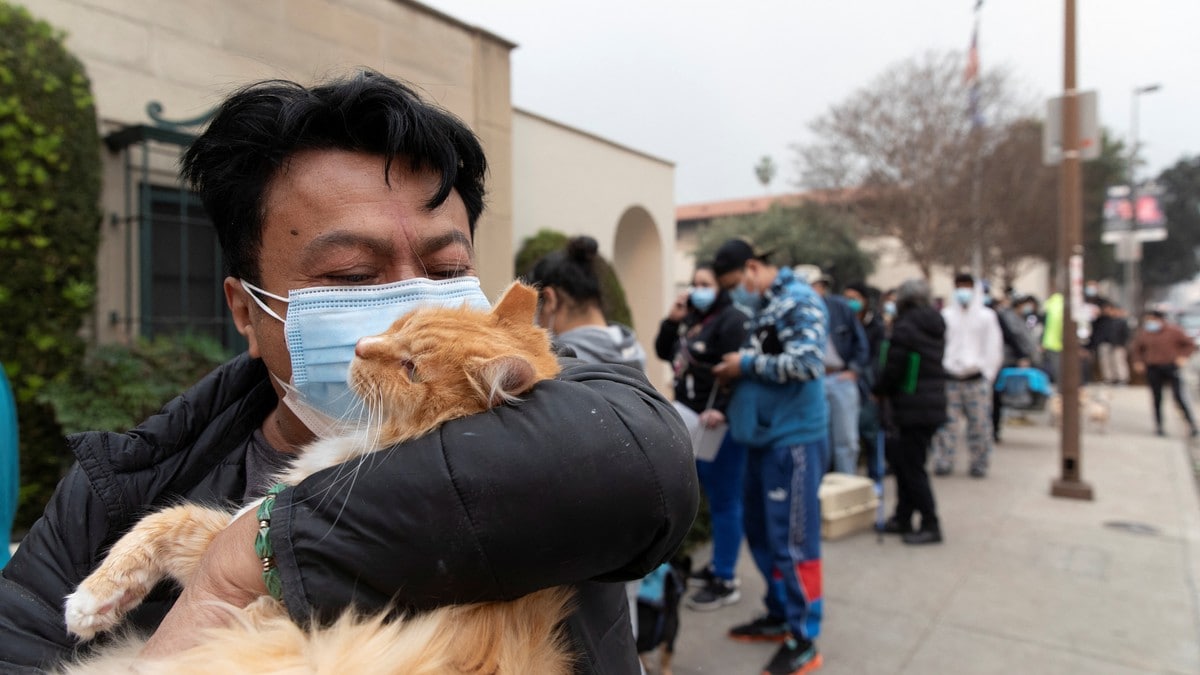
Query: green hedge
point(49, 218)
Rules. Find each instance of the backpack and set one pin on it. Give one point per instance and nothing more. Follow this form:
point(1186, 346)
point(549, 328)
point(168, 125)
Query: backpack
point(658, 607)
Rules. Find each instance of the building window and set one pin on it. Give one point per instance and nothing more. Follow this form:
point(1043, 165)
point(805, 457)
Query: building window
point(181, 269)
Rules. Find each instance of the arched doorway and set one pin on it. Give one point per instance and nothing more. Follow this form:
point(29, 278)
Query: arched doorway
point(638, 259)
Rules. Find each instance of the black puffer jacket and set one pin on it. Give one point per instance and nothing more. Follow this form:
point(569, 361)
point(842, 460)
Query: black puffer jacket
point(589, 480)
point(912, 378)
point(696, 344)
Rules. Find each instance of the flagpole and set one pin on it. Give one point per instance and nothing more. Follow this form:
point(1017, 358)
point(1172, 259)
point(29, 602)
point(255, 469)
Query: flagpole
point(977, 147)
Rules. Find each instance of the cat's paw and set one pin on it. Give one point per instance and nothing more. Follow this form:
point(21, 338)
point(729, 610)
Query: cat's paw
point(97, 606)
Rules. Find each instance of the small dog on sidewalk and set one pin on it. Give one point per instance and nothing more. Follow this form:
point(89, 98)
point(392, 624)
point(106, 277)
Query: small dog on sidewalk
point(1094, 408)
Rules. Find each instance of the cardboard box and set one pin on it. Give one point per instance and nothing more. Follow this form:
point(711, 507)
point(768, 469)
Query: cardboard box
point(848, 504)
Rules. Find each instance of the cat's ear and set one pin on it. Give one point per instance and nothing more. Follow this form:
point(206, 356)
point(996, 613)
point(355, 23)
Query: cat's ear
point(504, 377)
point(518, 304)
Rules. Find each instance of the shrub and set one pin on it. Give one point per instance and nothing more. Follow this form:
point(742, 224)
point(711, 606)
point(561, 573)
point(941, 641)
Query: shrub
point(117, 387)
point(49, 217)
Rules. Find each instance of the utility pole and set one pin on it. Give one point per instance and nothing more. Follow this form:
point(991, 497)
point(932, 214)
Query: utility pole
point(1133, 249)
point(1070, 259)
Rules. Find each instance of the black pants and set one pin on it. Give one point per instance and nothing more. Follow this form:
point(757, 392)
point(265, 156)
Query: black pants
point(1157, 376)
point(907, 450)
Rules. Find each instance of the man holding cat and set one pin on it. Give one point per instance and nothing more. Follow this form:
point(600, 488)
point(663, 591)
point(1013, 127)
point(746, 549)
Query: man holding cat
point(334, 196)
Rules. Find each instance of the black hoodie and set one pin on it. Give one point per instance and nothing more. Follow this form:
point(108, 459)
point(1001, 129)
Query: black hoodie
point(915, 349)
point(696, 344)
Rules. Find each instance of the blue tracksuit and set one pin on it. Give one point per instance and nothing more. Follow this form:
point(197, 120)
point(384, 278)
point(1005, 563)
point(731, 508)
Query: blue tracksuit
point(779, 412)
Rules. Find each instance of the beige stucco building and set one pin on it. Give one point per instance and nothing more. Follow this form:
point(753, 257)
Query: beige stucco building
point(159, 266)
point(620, 196)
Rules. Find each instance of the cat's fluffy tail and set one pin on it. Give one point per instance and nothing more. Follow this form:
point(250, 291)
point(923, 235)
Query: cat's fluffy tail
point(522, 636)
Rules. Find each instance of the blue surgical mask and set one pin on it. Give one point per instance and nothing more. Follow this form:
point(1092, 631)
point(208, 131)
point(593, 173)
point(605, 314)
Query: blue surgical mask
point(855, 305)
point(963, 296)
point(889, 308)
point(743, 297)
point(1153, 326)
point(703, 298)
point(324, 324)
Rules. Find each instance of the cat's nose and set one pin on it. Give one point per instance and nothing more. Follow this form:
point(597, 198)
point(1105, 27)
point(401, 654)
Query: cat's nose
point(367, 347)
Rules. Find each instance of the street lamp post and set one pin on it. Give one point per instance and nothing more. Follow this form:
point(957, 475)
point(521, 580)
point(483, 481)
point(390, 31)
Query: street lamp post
point(1133, 246)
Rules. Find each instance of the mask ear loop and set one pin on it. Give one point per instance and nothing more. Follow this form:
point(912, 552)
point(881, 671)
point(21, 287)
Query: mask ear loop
point(253, 291)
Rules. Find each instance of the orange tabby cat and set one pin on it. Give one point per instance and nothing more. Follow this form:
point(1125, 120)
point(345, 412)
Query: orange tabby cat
point(432, 365)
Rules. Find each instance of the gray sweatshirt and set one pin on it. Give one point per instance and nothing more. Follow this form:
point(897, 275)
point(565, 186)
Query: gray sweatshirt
point(613, 343)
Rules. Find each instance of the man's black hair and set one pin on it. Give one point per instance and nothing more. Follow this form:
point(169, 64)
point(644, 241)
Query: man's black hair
point(258, 128)
point(963, 278)
point(571, 270)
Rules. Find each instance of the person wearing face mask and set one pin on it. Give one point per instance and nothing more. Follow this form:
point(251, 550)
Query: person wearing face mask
point(847, 357)
point(779, 412)
point(571, 307)
point(870, 315)
point(1159, 350)
point(339, 207)
point(702, 326)
point(973, 355)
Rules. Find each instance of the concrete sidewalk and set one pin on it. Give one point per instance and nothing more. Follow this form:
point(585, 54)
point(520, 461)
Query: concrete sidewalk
point(1025, 582)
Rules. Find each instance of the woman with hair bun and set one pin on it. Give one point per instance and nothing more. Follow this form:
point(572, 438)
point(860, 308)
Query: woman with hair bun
point(571, 306)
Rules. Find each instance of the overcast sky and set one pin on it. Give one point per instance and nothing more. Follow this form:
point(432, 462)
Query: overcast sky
point(713, 85)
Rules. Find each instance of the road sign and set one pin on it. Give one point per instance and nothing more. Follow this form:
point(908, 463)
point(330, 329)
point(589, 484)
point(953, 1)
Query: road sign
point(1089, 129)
point(1140, 213)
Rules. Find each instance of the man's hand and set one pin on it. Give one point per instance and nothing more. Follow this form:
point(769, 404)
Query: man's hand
point(1181, 362)
point(847, 375)
point(711, 419)
point(730, 367)
point(1023, 363)
point(230, 572)
point(1139, 368)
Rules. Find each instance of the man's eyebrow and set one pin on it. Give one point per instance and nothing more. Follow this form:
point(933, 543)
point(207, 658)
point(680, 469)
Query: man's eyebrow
point(438, 242)
point(343, 239)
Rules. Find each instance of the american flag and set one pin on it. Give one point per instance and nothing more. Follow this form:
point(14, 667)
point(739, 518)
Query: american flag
point(971, 74)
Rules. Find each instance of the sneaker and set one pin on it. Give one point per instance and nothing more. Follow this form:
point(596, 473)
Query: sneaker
point(1159, 432)
point(794, 658)
point(978, 472)
point(702, 577)
point(715, 595)
point(942, 469)
point(762, 629)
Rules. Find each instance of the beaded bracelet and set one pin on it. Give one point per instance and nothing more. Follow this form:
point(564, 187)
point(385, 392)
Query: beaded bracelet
point(262, 543)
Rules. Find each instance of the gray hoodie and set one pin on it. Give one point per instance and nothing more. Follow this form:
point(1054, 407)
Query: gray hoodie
point(613, 343)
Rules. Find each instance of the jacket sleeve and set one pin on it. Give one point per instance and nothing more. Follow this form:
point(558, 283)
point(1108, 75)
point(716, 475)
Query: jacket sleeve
point(591, 477)
point(53, 558)
point(667, 341)
point(861, 361)
point(801, 328)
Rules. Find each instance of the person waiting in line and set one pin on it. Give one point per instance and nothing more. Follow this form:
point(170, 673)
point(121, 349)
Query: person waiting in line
point(847, 357)
point(1161, 349)
point(1110, 336)
point(866, 302)
point(912, 393)
point(974, 352)
point(1020, 350)
point(779, 411)
point(702, 326)
point(571, 307)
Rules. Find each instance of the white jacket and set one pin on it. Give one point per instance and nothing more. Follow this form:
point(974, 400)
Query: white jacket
point(974, 342)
